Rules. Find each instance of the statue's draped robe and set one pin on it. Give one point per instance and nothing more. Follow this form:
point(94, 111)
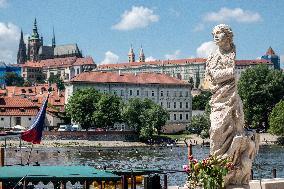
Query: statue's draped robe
point(227, 136)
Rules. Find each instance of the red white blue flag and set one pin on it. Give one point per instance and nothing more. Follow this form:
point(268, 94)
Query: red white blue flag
point(34, 133)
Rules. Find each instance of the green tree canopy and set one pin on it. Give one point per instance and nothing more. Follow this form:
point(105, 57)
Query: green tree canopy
point(56, 79)
point(108, 110)
point(276, 119)
point(12, 79)
point(82, 105)
point(199, 101)
point(145, 116)
point(260, 89)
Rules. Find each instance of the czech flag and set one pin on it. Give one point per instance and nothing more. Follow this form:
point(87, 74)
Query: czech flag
point(34, 133)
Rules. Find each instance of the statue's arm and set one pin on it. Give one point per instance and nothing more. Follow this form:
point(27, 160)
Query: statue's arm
point(222, 74)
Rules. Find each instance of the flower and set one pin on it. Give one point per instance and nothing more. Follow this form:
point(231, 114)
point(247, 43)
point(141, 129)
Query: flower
point(186, 168)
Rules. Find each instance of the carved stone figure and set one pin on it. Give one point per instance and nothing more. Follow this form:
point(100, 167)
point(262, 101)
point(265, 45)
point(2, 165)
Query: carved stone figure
point(228, 138)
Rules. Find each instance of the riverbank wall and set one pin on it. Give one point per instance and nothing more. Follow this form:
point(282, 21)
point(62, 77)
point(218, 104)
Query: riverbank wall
point(126, 136)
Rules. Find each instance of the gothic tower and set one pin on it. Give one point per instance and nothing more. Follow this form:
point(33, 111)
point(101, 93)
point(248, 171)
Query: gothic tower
point(131, 55)
point(34, 44)
point(53, 39)
point(22, 56)
point(141, 55)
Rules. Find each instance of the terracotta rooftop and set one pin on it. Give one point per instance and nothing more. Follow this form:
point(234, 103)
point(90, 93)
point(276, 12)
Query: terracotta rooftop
point(252, 62)
point(139, 78)
point(59, 62)
point(16, 102)
point(270, 51)
point(156, 62)
point(178, 61)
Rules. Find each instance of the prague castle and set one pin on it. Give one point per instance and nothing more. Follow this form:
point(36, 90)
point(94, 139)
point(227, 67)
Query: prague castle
point(35, 50)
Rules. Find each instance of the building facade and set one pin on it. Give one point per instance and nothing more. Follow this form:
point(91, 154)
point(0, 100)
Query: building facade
point(65, 68)
point(171, 93)
point(4, 68)
point(17, 111)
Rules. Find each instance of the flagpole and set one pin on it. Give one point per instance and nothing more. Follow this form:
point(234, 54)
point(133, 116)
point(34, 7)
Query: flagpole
point(28, 163)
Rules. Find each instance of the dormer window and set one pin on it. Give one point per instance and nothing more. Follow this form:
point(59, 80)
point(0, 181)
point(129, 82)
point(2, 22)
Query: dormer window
point(22, 109)
point(2, 109)
point(30, 91)
point(57, 100)
point(23, 91)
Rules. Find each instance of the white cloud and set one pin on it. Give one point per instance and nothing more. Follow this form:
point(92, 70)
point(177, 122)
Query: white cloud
point(237, 14)
point(110, 58)
point(199, 27)
point(3, 3)
point(9, 37)
point(138, 17)
point(205, 49)
point(150, 58)
point(173, 56)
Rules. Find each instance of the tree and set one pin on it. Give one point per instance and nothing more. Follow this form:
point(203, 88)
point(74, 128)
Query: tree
point(12, 79)
point(199, 101)
point(59, 82)
point(276, 119)
point(82, 105)
point(260, 89)
point(108, 110)
point(145, 117)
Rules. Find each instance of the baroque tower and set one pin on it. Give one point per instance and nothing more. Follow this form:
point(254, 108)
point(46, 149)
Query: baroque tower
point(131, 55)
point(34, 43)
point(271, 56)
point(141, 55)
point(21, 56)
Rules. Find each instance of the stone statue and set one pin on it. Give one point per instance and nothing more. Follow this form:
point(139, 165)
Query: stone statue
point(228, 137)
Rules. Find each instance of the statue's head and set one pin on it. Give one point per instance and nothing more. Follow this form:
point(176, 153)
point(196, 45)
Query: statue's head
point(222, 34)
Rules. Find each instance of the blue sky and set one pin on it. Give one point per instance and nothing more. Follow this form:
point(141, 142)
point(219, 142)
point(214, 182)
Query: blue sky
point(166, 29)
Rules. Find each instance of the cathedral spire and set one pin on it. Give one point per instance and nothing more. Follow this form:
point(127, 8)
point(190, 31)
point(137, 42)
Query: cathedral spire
point(22, 56)
point(131, 55)
point(35, 32)
point(141, 55)
point(53, 38)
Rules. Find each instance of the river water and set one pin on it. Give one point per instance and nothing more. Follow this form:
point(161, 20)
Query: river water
point(166, 158)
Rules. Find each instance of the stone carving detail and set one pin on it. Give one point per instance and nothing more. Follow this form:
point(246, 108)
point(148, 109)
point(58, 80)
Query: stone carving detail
point(228, 138)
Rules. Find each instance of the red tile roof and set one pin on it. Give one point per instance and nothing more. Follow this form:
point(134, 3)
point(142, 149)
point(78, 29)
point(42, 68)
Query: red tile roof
point(59, 62)
point(178, 61)
point(270, 51)
point(252, 62)
point(156, 62)
point(17, 106)
point(139, 78)
point(15, 102)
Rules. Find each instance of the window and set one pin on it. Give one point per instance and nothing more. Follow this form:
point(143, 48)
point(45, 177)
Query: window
point(30, 118)
point(186, 116)
point(175, 117)
point(180, 93)
point(153, 93)
point(161, 103)
point(168, 93)
point(146, 93)
point(175, 105)
point(121, 93)
point(186, 105)
point(162, 93)
point(180, 116)
point(78, 70)
point(130, 92)
point(180, 104)
point(168, 105)
point(2, 119)
point(175, 93)
point(18, 120)
point(137, 92)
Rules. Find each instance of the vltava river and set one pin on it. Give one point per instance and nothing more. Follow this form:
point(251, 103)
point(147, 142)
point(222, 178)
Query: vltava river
point(166, 158)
